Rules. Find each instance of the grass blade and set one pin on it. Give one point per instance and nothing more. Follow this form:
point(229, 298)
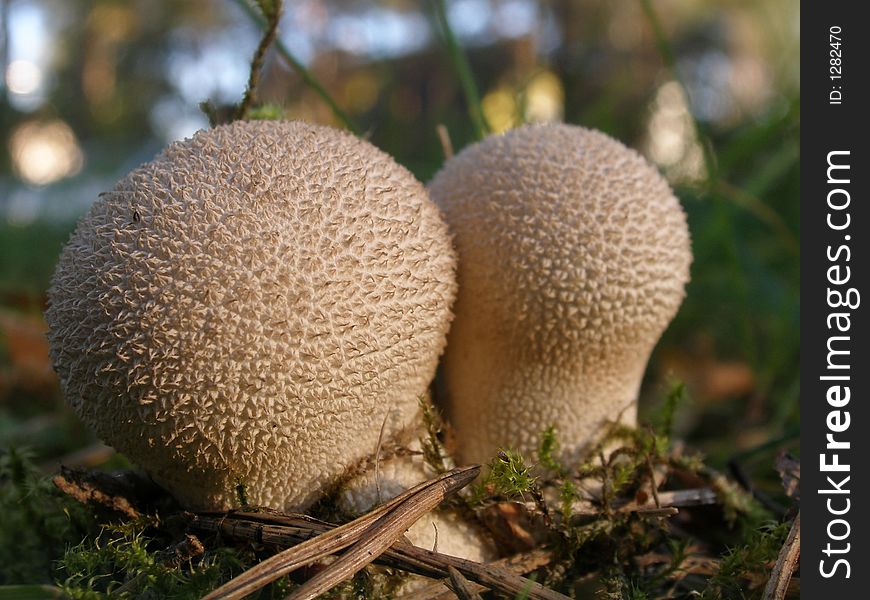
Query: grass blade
point(463, 71)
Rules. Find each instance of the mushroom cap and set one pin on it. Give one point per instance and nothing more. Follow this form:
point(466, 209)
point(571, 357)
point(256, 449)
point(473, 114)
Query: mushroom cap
point(249, 307)
point(573, 257)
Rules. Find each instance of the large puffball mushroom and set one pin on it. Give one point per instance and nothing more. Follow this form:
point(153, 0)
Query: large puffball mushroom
point(250, 307)
point(573, 257)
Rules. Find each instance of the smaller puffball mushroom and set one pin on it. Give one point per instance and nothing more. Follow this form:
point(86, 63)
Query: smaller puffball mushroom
point(246, 310)
point(573, 257)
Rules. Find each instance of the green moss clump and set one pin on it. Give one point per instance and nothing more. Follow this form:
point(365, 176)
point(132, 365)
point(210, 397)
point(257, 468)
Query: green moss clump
point(508, 476)
point(744, 569)
point(38, 522)
point(121, 562)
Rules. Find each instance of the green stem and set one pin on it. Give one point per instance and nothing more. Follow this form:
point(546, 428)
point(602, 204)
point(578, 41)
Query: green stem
point(670, 60)
point(463, 71)
point(300, 69)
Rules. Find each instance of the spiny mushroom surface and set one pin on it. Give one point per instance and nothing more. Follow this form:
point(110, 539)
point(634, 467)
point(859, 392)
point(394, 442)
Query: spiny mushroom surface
point(249, 307)
point(573, 257)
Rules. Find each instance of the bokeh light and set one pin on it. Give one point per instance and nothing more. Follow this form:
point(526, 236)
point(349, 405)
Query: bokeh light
point(544, 98)
point(500, 109)
point(23, 77)
point(44, 152)
point(672, 142)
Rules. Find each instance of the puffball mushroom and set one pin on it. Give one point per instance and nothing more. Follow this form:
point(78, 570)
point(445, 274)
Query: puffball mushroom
point(573, 257)
point(248, 309)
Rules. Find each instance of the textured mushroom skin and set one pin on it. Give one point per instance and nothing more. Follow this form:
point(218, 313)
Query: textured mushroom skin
point(573, 257)
point(249, 307)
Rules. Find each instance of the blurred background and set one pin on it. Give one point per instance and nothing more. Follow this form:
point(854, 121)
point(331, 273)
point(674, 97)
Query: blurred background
point(708, 90)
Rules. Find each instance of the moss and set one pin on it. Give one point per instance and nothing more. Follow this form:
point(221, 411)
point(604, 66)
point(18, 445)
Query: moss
point(433, 449)
point(745, 568)
point(611, 542)
point(122, 561)
point(675, 398)
point(549, 450)
point(616, 586)
point(242, 493)
point(507, 476)
point(567, 494)
point(38, 521)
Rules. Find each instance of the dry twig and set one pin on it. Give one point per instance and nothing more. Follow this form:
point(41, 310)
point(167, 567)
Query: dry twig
point(461, 586)
point(384, 532)
point(329, 542)
point(444, 138)
point(96, 488)
point(666, 502)
point(522, 563)
point(284, 530)
point(778, 584)
point(789, 469)
point(272, 12)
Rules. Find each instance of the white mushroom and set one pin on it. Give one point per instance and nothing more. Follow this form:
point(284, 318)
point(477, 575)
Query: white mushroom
point(247, 308)
point(573, 257)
